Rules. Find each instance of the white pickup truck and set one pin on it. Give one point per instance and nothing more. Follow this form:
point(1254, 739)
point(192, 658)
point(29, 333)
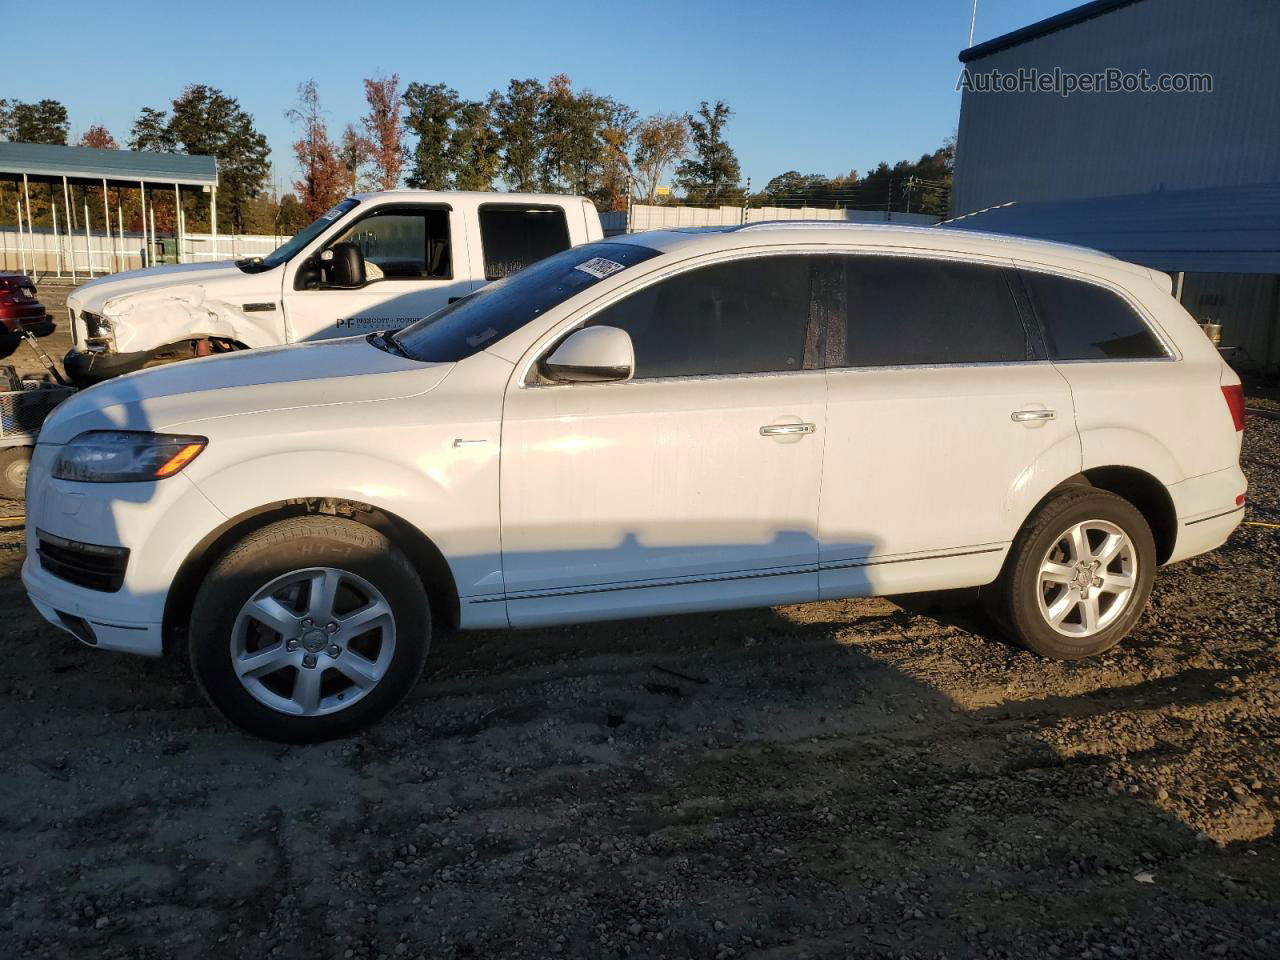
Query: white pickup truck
point(376, 261)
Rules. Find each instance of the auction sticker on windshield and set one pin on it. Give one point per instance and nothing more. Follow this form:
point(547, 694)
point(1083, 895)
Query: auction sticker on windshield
point(599, 267)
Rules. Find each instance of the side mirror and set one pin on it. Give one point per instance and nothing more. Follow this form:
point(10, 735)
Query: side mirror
point(344, 264)
point(592, 355)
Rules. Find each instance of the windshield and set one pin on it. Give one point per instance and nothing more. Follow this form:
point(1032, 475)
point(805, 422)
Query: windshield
point(491, 313)
point(286, 250)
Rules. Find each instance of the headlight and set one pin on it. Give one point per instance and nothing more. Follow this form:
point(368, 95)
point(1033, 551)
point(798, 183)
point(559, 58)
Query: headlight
point(125, 456)
point(96, 326)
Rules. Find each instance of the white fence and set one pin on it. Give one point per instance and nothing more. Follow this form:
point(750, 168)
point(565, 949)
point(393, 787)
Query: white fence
point(48, 254)
point(661, 217)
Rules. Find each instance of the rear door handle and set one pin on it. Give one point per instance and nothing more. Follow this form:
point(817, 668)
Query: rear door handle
point(1022, 416)
point(786, 429)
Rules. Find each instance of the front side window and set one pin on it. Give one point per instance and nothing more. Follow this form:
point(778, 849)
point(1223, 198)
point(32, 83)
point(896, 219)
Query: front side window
point(740, 316)
point(482, 318)
point(513, 236)
point(1083, 321)
point(403, 244)
point(897, 311)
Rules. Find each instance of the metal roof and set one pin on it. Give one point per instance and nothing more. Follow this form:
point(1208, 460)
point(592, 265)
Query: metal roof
point(1040, 28)
point(88, 163)
point(1234, 229)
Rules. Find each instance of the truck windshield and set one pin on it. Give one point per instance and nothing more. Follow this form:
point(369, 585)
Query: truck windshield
point(299, 240)
point(486, 316)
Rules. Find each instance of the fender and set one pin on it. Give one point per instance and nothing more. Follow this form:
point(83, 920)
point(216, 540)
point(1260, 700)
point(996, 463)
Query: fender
point(151, 319)
point(448, 504)
point(1060, 461)
point(1105, 446)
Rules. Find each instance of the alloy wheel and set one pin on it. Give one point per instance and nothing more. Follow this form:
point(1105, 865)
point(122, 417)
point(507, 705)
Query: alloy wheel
point(313, 641)
point(1087, 578)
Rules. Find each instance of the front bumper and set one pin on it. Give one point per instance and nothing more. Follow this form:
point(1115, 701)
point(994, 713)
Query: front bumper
point(86, 367)
point(58, 602)
point(170, 517)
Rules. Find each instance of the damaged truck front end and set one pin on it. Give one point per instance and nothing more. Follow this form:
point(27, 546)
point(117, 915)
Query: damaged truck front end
point(124, 333)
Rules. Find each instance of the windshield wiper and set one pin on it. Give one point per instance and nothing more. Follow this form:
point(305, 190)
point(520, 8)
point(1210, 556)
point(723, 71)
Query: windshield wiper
point(252, 265)
point(387, 344)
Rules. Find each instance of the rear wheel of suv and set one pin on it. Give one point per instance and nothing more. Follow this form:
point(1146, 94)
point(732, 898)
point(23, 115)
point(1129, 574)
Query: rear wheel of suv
point(309, 629)
point(1078, 576)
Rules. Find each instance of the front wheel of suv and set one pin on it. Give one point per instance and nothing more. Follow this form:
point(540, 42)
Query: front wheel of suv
point(309, 629)
point(1078, 575)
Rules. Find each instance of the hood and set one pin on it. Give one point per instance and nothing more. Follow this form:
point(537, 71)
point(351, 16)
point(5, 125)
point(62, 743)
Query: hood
point(94, 295)
point(350, 370)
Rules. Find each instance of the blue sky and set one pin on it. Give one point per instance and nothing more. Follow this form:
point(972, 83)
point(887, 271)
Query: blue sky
point(817, 86)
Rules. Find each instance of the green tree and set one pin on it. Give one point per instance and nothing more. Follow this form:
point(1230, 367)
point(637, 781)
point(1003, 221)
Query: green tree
point(42, 122)
point(516, 117)
point(712, 174)
point(207, 122)
point(474, 152)
point(151, 132)
point(430, 111)
point(586, 141)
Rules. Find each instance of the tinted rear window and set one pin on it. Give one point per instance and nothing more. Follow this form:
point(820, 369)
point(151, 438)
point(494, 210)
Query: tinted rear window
point(483, 318)
point(1083, 321)
point(902, 311)
point(514, 236)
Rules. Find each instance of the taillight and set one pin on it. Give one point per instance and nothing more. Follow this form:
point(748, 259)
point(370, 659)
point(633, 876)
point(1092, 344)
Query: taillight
point(1233, 393)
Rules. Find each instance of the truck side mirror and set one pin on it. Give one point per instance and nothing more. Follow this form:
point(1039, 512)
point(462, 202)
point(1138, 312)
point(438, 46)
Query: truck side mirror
point(344, 264)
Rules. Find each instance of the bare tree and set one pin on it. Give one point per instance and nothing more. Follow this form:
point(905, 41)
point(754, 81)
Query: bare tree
point(661, 140)
point(322, 174)
point(353, 153)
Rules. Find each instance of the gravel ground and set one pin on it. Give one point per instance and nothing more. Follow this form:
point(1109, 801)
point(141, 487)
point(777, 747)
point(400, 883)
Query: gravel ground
point(860, 778)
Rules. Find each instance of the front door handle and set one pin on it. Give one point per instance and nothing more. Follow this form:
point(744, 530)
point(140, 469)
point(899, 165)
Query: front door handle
point(786, 429)
point(1022, 416)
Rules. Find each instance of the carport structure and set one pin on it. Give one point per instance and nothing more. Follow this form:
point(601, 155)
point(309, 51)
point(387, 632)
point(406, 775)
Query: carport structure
point(55, 166)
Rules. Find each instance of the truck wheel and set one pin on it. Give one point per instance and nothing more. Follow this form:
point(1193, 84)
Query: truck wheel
point(14, 462)
point(309, 629)
point(1078, 576)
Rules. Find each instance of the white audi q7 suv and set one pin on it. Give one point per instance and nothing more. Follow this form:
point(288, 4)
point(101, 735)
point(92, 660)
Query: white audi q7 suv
point(660, 423)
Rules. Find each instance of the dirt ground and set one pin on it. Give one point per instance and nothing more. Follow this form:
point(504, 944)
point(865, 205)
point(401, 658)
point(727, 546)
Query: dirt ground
point(852, 779)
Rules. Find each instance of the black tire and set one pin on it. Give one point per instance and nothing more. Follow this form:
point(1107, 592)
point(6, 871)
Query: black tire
point(13, 472)
point(275, 551)
point(1014, 599)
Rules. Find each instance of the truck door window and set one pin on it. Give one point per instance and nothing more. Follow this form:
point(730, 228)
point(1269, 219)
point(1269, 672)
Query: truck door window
point(516, 235)
point(403, 244)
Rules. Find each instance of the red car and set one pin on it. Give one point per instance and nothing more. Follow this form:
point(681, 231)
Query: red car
point(18, 302)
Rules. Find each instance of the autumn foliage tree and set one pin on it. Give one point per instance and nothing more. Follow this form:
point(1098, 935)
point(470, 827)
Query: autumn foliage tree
point(661, 141)
point(383, 130)
point(99, 138)
point(322, 180)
